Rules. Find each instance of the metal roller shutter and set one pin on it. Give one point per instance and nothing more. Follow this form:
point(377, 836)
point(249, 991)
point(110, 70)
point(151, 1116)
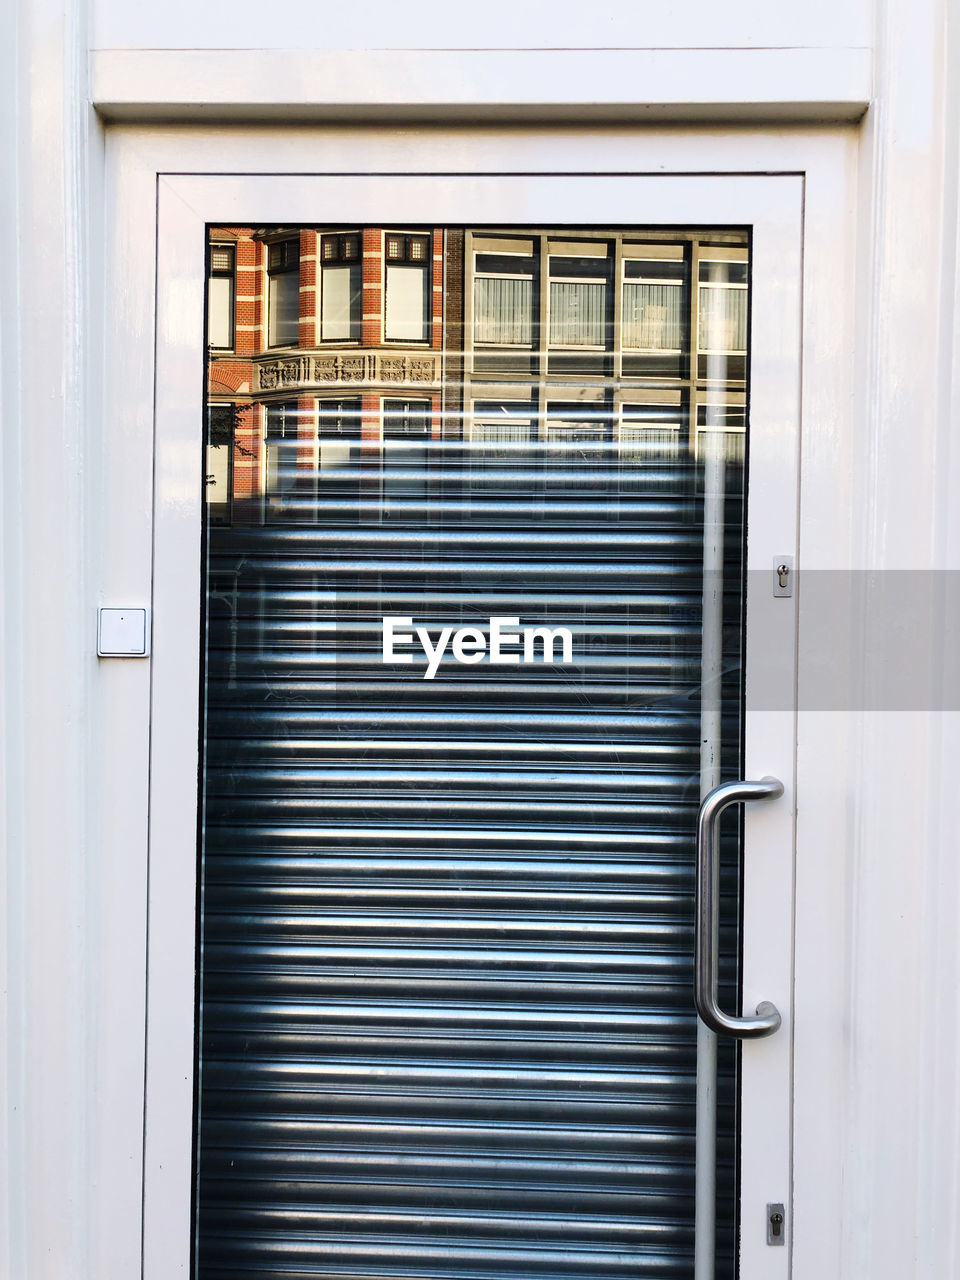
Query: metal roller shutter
point(447, 1026)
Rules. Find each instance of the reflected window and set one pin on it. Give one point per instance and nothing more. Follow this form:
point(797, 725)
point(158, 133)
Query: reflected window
point(653, 310)
point(283, 272)
point(502, 423)
point(578, 302)
point(339, 430)
point(578, 423)
point(501, 437)
point(283, 422)
point(406, 432)
point(503, 292)
point(584, 431)
point(221, 289)
point(723, 308)
point(341, 288)
point(725, 424)
point(221, 425)
point(652, 433)
point(407, 306)
point(339, 419)
point(403, 419)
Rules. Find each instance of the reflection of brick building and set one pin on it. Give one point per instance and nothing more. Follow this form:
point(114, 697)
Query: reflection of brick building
point(315, 333)
point(323, 335)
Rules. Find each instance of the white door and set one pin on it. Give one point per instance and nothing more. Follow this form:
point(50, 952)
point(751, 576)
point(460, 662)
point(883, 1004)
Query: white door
point(572, 292)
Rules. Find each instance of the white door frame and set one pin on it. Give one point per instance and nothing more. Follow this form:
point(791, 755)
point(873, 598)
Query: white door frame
point(772, 206)
point(185, 203)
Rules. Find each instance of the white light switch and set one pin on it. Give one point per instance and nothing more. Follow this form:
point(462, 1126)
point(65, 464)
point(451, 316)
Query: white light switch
point(122, 633)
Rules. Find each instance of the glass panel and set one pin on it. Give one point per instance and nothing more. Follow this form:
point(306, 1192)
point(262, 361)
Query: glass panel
point(406, 307)
point(577, 313)
point(723, 320)
point(649, 432)
point(453, 716)
point(503, 310)
point(723, 306)
point(221, 257)
point(220, 311)
point(284, 309)
point(340, 304)
point(220, 445)
point(652, 311)
point(285, 476)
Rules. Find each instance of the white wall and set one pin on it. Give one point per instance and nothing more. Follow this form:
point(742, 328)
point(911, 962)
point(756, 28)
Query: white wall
point(499, 24)
point(51, 811)
point(878, 1055)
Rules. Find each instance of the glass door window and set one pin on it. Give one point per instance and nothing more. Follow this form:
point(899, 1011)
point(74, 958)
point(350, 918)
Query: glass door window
point(453, 741)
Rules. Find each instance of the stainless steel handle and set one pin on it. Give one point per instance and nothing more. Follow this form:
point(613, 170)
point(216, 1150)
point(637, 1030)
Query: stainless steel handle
point(707, 913)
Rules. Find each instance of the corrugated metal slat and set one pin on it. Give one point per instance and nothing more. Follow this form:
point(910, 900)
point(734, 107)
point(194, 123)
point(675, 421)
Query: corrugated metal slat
point(447, 1021)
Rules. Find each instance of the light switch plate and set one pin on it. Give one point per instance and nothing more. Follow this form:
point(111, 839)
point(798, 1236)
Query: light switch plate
point(122, 633)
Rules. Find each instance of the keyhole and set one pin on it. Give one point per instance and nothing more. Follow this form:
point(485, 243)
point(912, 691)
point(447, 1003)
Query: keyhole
point(776, 1223)
point(782, 572)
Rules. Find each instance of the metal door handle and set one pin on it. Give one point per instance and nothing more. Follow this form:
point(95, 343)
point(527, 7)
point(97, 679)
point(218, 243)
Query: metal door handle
point(707, 913)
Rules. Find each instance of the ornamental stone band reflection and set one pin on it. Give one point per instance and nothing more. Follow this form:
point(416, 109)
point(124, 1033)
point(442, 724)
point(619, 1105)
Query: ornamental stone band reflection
point(468, 645)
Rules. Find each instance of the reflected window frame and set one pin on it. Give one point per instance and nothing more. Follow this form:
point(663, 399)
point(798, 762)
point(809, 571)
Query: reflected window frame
point(222, 268)
point(581, 276)
point(408, 251)
point(707, 286)
point(282, 264)
point(341, 251)
point(677, 282)
point(527, 271)
point(220, 434)
point(282, 444)
point(652, 431)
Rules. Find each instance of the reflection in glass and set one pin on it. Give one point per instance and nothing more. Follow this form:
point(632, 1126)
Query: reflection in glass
point(723, 306)
point(503, 308)
point(451, 758)
point(578, 302)
point(220, 304)
point(341, 294)
point(652, 432)
point(653, 306)
point(407, 306)
point(283, 274)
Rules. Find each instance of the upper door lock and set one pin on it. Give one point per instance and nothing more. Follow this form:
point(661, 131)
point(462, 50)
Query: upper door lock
point(783, 575)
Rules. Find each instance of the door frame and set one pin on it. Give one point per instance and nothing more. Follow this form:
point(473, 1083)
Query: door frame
point(184, 203)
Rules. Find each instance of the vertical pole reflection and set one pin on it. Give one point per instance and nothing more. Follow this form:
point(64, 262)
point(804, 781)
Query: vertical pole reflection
point(712, 454)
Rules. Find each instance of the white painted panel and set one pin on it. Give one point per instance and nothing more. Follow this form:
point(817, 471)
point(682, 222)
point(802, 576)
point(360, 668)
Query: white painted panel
point(500, 24)
point(304, 83)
